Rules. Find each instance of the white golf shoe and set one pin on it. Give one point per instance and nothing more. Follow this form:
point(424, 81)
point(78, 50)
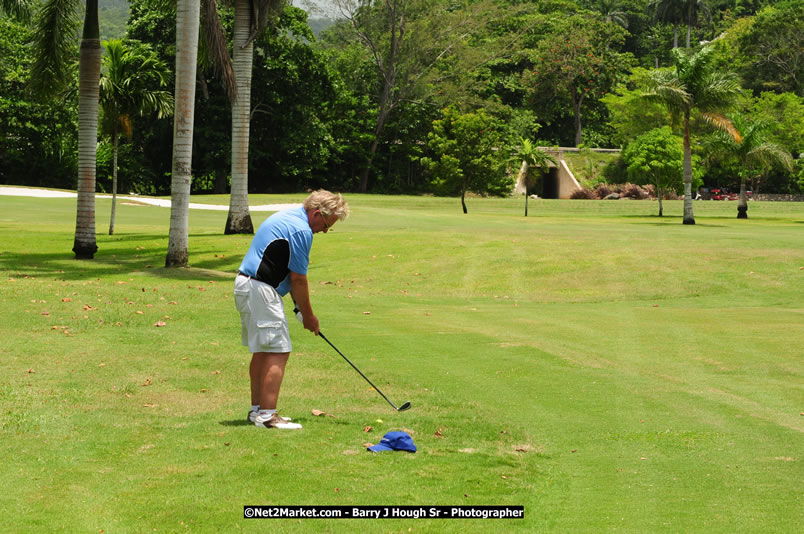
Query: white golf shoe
point(275, 421)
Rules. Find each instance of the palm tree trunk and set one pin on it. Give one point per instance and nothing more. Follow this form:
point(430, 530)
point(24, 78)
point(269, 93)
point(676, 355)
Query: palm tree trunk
point(742, 205)
point(187, 22)
point(89, 64)
point(115, 140)
point(522, 182)
point(675, 36)
point(690, 7)
point(239, 219)
point(463, 201)
point(688, 216)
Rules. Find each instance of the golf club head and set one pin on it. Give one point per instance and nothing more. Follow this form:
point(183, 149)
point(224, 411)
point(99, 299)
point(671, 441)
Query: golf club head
point(404, 407)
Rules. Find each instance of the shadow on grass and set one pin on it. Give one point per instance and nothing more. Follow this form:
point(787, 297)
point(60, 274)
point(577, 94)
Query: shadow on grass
point(119, 258)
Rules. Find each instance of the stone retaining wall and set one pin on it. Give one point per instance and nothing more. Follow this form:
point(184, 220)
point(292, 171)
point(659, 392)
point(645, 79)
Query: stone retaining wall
point(779, 198)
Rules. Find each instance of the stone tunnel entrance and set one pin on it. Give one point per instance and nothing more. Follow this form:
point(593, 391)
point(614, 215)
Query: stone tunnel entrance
point(546, 185)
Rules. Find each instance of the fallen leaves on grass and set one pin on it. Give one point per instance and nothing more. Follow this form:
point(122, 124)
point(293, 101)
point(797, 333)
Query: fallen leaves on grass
point(319, 413)
point(146, 383)
point(66, 299)
point(159, 324)
point(368, 428)
point(438, 433)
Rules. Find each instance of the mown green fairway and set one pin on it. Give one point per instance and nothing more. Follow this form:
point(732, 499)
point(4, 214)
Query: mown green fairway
point(605, 368)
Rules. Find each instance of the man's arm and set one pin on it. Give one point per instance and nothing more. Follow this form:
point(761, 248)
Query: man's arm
point(300, 292)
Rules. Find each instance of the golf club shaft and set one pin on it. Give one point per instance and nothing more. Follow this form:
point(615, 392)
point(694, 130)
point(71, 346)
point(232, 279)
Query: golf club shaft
point(358, 370)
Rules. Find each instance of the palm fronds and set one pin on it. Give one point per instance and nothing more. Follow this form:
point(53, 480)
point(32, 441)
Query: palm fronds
point(54, 46)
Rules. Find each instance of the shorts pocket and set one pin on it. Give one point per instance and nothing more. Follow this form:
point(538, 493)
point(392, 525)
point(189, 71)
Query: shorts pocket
point(270, 332)
point(241, 293)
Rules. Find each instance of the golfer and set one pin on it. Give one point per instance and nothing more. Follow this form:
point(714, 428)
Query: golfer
point(275, 264)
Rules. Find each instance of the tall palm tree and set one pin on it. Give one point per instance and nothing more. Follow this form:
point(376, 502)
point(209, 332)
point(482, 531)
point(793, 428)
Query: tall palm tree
point(251, 18)
point(747, 143)
point(56, 23)
point(187, 29)
point(692, 85)
point(129, 73)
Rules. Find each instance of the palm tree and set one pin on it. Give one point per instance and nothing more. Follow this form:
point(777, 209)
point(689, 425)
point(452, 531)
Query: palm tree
point(531, 156)
point(611, 11)
point(130, 70)
point(20, 10)
point(747, 143)
point(251, 18)
point(691, 85)
point(187, 29)
point(678, 12)
point(56, 23)
point(695, 8)
point(669, 11)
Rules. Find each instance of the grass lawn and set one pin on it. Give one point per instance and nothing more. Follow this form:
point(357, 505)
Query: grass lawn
point(608, 369)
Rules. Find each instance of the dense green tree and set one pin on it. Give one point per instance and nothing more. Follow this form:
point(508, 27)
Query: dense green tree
point(693, 85)
point(408, 41)
point(578, 62)
point(132, 83)
point(656, 157)
point(300, 110)
point(774, 44)
point(37, 137)
point(464, 156)
point(629, 115)
point(785, 114)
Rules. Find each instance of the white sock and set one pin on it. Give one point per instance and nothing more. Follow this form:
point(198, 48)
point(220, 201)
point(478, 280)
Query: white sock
point(267, 413)
point(255, 407)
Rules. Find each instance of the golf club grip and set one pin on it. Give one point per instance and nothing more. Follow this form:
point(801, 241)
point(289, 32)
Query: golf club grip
point(356, 369)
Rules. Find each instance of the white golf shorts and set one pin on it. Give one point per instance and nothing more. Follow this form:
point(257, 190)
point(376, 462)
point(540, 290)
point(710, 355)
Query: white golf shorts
point(262, 316)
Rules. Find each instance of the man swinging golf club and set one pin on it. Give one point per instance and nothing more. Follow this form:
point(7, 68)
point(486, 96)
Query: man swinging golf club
point(275, 264)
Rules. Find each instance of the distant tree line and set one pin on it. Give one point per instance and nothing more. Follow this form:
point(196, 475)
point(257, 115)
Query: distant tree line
point(389, 98)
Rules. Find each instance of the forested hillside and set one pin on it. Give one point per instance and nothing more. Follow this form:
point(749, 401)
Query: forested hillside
point(113, 15)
